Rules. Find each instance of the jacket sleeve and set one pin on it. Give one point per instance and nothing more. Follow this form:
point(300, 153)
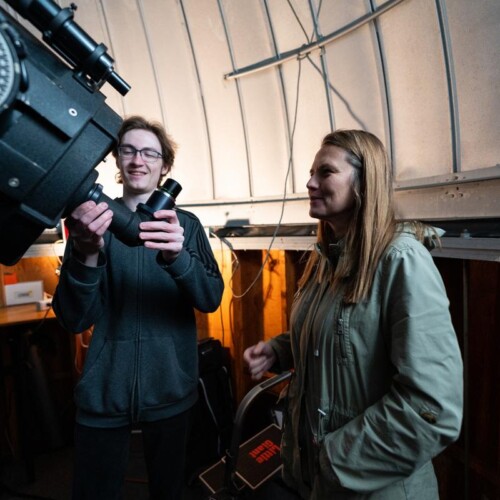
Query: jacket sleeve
point(195, 270)
point(421, 413)
point(78, 299)
point(282, 347)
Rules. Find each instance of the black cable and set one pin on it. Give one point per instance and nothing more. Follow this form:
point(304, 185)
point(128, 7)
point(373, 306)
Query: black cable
point(298, 20)
point(339, 95)
point(290, 160)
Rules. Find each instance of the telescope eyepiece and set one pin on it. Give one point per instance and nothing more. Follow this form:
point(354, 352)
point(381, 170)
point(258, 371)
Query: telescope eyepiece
point(162, 198)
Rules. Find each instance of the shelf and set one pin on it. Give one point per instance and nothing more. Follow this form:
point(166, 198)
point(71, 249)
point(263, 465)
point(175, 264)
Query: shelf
point(456, 248)
point(469, 248)
point(486, 249)
point(46, 250)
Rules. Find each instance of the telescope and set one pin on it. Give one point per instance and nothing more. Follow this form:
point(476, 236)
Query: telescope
point(55, 126)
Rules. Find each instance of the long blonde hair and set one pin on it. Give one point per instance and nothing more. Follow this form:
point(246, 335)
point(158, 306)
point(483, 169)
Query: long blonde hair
point(373, 222)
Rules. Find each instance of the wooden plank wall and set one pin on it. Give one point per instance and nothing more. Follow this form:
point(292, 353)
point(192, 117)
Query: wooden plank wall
point(256, 303)
point(472, 465)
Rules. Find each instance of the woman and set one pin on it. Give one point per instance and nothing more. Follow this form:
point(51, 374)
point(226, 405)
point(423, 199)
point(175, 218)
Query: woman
point(377, 388)
point(141, 369)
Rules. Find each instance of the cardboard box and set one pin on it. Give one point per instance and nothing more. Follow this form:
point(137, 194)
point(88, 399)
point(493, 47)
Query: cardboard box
point(23, 293)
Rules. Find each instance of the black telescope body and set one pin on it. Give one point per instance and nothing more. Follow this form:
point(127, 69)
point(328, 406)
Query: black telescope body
point(55, 127)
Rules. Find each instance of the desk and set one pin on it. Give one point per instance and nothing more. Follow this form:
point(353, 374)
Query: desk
point(30, 384)
point(22, 314)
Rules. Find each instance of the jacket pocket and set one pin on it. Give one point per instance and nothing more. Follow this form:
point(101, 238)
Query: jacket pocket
point(341, 416)
point(343, 347)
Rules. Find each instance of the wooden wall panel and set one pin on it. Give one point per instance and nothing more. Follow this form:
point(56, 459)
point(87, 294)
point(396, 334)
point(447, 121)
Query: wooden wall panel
point(483, 377)
point(262, 312)
point(219, 323)
point(274, 292)
point(247, 325)
point(470, 468)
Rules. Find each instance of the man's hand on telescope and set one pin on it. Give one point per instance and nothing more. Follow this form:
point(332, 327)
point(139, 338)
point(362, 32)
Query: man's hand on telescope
point(87, 224)
point(165, 234)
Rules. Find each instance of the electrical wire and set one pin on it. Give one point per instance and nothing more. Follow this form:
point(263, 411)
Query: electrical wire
point(235, 263)
point(338, 94)
point(290, 157)
point(298, 20)
point(54, 251)
point(42, 321)
point(290, 163)
point(235, 259)
point(321, 72)
point(351, 112)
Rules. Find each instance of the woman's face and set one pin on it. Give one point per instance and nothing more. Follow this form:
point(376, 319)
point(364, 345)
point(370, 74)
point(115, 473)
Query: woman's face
point(140, 176)
point(330, 188)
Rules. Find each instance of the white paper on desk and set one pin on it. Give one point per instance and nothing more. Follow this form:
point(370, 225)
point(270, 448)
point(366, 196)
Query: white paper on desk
point(23, 293)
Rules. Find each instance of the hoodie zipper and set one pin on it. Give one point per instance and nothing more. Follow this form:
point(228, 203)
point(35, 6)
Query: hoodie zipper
point(134, 402)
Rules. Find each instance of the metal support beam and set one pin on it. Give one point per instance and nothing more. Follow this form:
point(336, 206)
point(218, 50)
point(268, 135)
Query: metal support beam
point(308, 48)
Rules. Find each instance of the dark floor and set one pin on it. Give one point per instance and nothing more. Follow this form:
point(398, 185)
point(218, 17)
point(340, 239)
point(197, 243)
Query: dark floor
point(53, 479)
point(53, 472)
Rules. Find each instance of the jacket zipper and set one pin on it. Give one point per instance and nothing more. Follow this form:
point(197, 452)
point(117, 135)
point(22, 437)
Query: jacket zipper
point(319, 437)
point(341, 333)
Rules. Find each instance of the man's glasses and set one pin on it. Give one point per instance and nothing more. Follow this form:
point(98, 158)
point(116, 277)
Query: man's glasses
point(148, 155)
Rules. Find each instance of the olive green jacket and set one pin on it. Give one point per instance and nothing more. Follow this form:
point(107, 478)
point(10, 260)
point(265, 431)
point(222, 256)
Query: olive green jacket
point(377, 389)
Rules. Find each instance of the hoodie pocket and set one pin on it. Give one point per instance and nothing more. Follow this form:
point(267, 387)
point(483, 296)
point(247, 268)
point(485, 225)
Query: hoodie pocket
point(162, 379)
point(106, 385)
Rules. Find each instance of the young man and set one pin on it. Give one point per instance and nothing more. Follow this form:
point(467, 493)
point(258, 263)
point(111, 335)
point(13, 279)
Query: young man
point(141, 367)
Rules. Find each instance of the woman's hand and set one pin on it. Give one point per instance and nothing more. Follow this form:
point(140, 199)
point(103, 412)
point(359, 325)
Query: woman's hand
point(259, 358)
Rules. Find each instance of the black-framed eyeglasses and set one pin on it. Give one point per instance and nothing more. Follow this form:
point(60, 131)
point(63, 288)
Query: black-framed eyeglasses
point(147, 154)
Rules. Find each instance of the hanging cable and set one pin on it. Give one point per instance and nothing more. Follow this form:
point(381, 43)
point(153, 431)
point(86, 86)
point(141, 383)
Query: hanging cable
point(223, 241)
point(298, 20)
point(338, 94)
point(290, 157)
